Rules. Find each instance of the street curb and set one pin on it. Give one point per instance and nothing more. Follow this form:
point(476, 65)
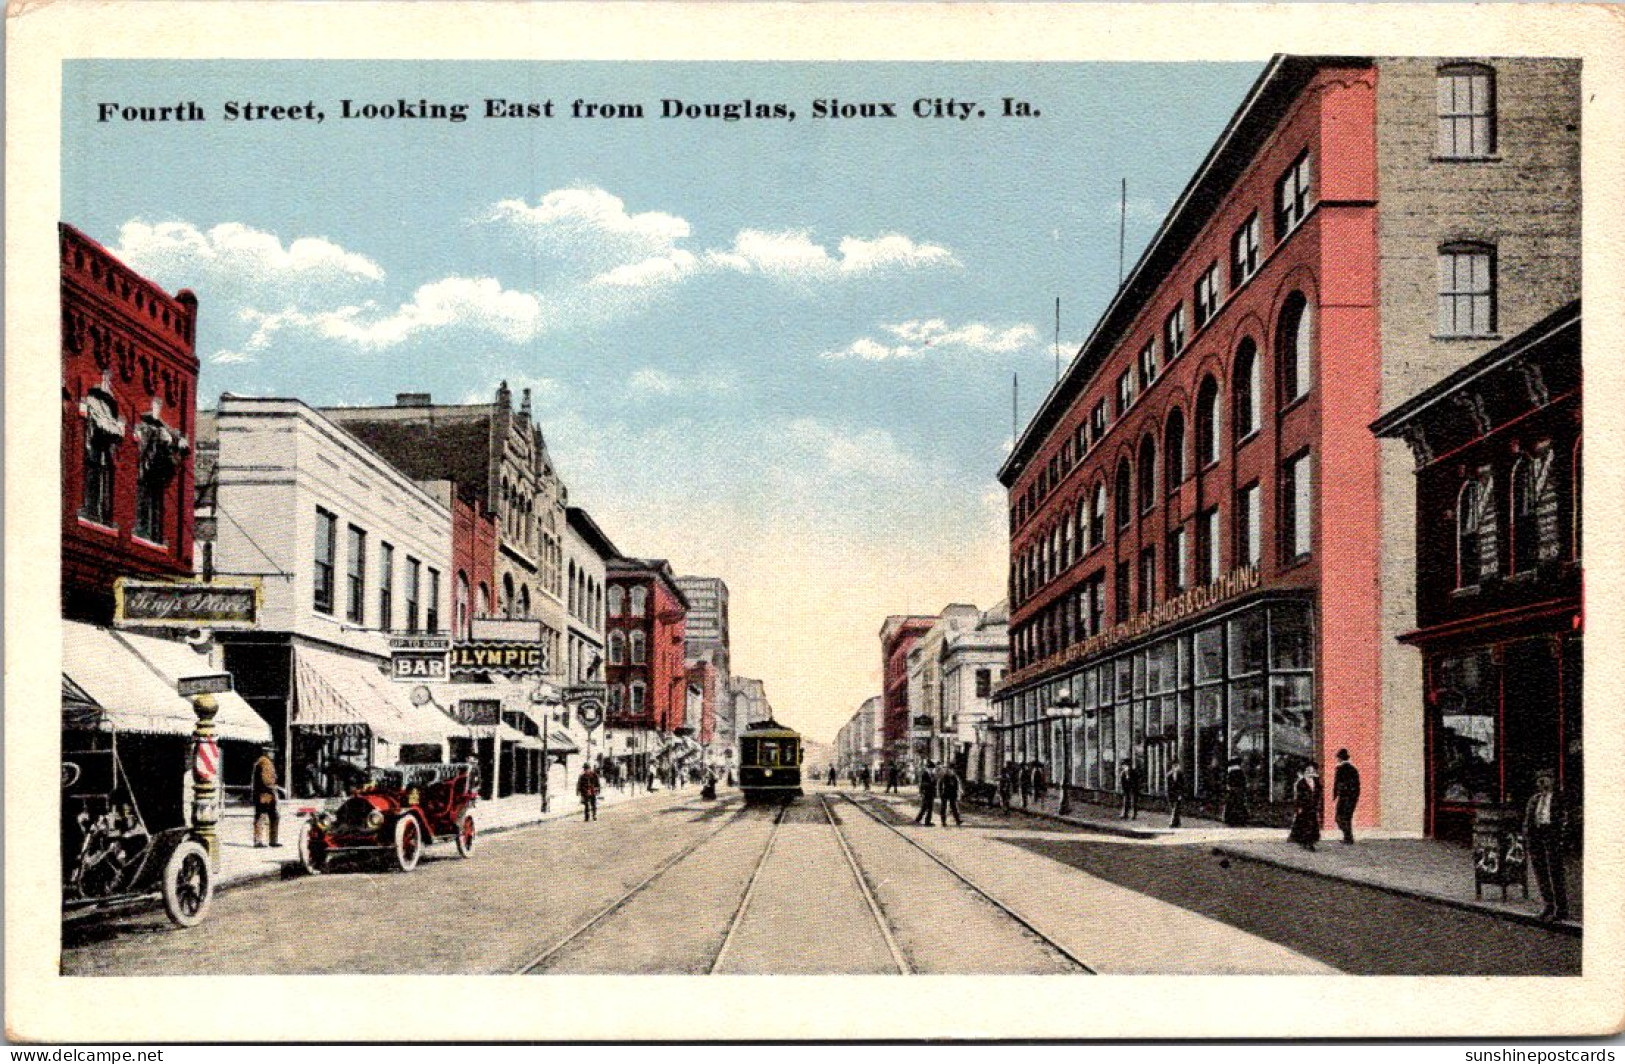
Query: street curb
point(1569, 927)
point(1103, 827)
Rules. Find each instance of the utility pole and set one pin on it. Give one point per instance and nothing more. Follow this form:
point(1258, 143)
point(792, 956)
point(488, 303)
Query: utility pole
point(1122, 229)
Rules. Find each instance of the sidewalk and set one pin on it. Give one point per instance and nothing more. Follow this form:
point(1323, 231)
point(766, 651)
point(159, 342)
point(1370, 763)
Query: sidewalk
point(241, 861)
point(1394, 862)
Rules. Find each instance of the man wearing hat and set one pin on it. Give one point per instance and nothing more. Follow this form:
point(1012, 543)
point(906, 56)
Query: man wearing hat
point(266, 817)
point(1345, 795)
point(1543, 822)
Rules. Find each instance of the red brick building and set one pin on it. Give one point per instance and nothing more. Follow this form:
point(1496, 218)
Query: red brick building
point(1209, 548)
point(703, 677)
point(129, 401)
point(897, 637)
point(474, 562)
point(644, 631)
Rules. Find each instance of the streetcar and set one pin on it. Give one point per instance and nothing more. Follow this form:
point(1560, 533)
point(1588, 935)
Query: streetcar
point(770, 762)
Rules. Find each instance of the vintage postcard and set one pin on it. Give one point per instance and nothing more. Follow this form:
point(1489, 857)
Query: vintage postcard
point(1019, 496)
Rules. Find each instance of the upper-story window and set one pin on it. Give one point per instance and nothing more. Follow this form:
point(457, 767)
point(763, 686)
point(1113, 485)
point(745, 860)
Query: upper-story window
point(1125, 486)
point(1292, 197)
point(414, 591)
point(155, 476)
point(1097, 516)
point(1244, 252)
point(1208, 423)
point(1466, 104)
point(1173, 450)
point(1296, 507)
point(431, 619)
point(1148, 472)
point(638, 644)
point(617, 648)
point(1173, 333)
point(617, 601)
point(326, 547)
point(1148, 364)
point(1477, 543)
point(103, 430)
point(1466, 290)
point(1248, 516)
point(1125, 392)
point(1535, 509)
point(386, 587)
point(638, 601)
point(1207, 295)
point(355, 564)
point(1293, 345)
point(1178, 562)
point(1097, 421)
point(1244, 390)
point(523, 605)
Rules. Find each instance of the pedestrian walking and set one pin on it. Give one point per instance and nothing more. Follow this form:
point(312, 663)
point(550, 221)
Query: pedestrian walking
point(948, 794)
point(928, 796)
point(587, 787)
point(267, 818)
point(1128, 781)
point(863, 776)
point(1005, 787)
point(1306, 816)
point(1236, 813)
point(831, 775)
point(1174, 784)
point(1040, 782)
point(708, 790)
point(1024, 780)
point(891, 777)
point(1544, 819)
point(1345, 795)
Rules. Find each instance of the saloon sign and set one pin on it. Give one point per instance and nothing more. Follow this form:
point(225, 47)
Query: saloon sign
point(185, 604)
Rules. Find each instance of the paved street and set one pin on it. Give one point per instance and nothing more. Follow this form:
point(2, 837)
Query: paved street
point(836, 882)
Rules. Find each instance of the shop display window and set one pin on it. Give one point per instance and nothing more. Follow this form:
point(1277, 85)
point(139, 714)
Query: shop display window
point(1292, 731)
point(1466, 698)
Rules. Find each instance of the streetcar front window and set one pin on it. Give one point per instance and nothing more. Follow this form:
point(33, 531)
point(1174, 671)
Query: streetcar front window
point(770, 754)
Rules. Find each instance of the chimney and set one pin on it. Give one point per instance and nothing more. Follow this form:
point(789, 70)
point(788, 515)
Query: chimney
point(412, 399)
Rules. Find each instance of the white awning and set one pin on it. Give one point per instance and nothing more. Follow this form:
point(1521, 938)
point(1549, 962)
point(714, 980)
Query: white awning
point(335, 688)
point(131, 678)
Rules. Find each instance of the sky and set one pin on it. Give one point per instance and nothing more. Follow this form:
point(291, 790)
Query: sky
point(775, 351)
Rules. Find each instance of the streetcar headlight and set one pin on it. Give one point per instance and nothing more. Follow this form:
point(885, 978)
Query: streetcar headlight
point(375, 820)
point(324, 820)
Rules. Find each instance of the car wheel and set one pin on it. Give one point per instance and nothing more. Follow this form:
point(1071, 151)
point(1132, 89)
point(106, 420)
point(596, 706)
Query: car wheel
point(188, 884)
point(312, 852)
point(465, 836)
point(408, 843)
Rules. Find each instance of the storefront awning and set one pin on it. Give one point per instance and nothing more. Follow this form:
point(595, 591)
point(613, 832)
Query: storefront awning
point(560, 743)
point(334, 688)
point(130, 679)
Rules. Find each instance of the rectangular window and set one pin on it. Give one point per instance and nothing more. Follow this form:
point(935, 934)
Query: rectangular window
point(355, 564)
point(1207, 546)
point(1173, 333)
point(1207, 295)
point(414, 586)
point(1466, 291)
point(1122, 594)
point(1097, 421)
point(1247, 526)
point(1177, 561)
point(326, 545)
point(386, 587)
point(1296, 500)
point(1244, 252)
point(1148, 364)
point(984, 683)
point(1125, 392)
point(1148, 578)
point(431, 622)
point(1292, 197)
point(97, 504)
point(1466, 107)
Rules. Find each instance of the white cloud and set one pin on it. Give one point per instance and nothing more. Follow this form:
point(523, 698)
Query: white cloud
point(794, 254)
point(916, 338)
point(891, 249)
point(654, 382)
point(181, 252)
point(871, 453)
point(593, 224)
point(650, 272)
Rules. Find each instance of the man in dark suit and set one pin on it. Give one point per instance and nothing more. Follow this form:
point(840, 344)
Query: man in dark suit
point(928, 794)
point(1345, 795)
point(1543, 823)
point(1175, 783)
point(948, 792)
point(1128, 780)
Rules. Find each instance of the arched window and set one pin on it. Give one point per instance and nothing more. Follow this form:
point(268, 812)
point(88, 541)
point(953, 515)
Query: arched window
point(507, 595)
point(1173, 450)
point(617, 601)
point(1244, 390)
point(1080, 529)
point(484, 605)
point(1208, 423)
point(462, 604)
point(1466, 106)
point(1125, 485)
point(617, 648)
point(574, 597)
point(638, 601)
point(1097, 515)
point(1535, 510)
point(638, 642)
point(1477, 548)
point(1292, 348)
point(1148, 472)
point(524, 600)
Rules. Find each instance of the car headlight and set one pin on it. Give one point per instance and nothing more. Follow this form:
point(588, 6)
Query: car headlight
point(375, 820)
point(324, 820)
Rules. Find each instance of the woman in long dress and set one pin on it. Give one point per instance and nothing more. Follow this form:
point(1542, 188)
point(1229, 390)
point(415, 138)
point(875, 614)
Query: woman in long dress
point(1235, 796)
point(1306, 797)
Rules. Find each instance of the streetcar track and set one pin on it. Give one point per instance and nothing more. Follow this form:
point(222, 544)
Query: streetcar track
point(903, 966)
point(620, 903)
point(750, 891)
point(1003, 907)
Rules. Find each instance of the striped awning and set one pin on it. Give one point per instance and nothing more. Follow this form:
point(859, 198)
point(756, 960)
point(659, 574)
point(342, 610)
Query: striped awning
point(333, 688)
point(126, 682)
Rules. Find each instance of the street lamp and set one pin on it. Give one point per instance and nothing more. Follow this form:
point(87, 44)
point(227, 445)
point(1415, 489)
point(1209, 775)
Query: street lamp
point(546, 696)
point(1066, 708)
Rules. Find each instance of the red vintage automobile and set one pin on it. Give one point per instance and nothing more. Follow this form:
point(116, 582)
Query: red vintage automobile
point(396, 812)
